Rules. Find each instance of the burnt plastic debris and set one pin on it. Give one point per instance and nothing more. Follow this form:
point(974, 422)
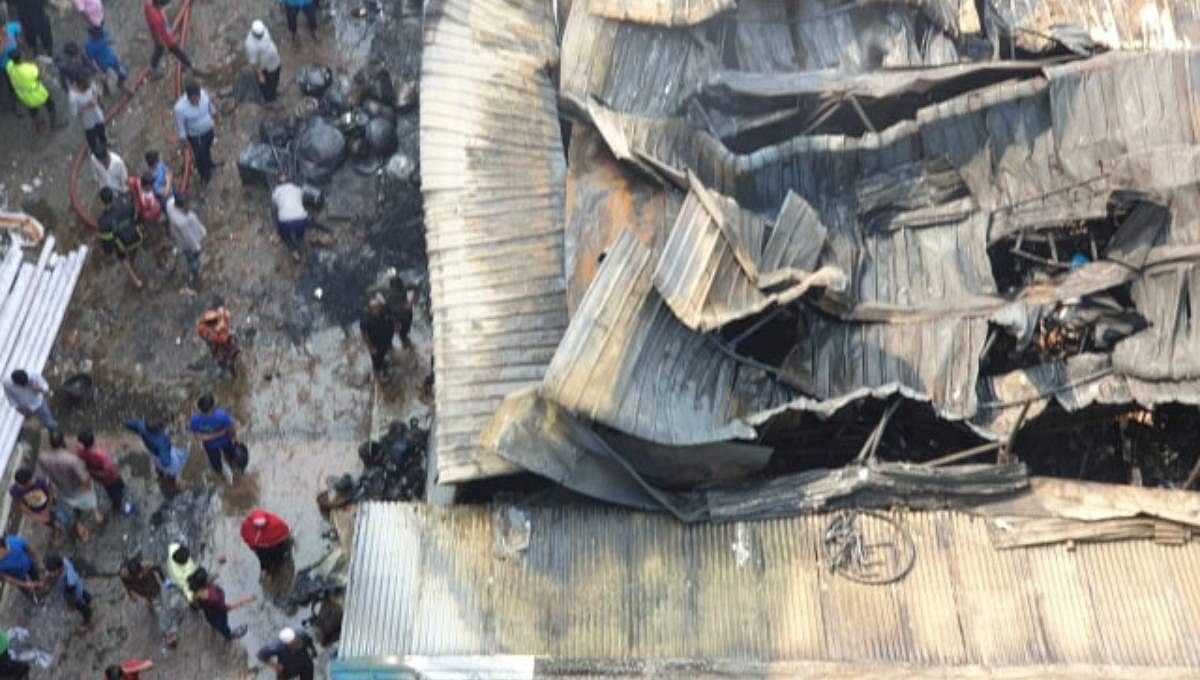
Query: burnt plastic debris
point(337, 99)
point(402, 167)
point(376, 109)
point(276, 132)
point(381, 136)
point(246, 89)
point(312, 197)
point(320, 149)
point(375, 82)
point(394, 466)
point(261, 164)
point(314, 79)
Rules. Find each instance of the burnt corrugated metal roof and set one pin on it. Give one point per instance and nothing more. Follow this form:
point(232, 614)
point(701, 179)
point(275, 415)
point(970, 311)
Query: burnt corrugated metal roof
point(660, 12)
point(627, 361)
point(601, 584)
point(1116, 24)
point(492, 178)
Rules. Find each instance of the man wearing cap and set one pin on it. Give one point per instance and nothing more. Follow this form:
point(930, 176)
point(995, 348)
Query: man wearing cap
point(263, 57)
point(268, 536)
point(290, 655)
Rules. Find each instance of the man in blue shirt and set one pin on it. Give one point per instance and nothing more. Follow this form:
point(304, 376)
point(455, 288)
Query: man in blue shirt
point(216, 431)
point(100, 52)
point(19, 564)
point(195, 120)
point(293, 8)
point(168, 459)
point(60, 572)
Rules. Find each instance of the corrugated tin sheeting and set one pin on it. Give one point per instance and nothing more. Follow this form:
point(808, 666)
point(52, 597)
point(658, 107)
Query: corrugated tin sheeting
point(660, 12)
point(493, 177)
point(605, 585)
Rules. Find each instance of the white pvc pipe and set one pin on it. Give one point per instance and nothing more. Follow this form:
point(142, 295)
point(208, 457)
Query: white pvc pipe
point(9, 269)
point(10, 333)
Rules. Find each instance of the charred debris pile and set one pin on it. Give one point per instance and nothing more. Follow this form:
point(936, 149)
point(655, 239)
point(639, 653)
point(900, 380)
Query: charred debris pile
point(801, 236)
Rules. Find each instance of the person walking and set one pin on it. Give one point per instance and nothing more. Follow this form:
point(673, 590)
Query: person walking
point(399, 304)
point(188, 232)
point(216, 431)
point(128, 670)
point(92, 12)
point(98, 49)
point(167, 458)
point(293, 8)
point(10, 668)
point(145, 204)
point(120, 234)
point(268, 536)
point(110, 170)
point(84, 101)
point(164, 38)
point(104, 471)
point(377, 327)
point(290, 655)
point(195, 124)
point(144, 579)
point(20, 565)
point(72, 483)
point(180, 567)
point(26, 80)
point(210, 598)
point(263, 57)
point(61, 574)
point(35, 24)
point(34, 497)
point(27, 391)
point(291, 217)
point(216, 329)
point(72, 64)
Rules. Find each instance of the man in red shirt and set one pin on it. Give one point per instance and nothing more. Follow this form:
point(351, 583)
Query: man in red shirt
point(130, 670)
point(104, 472)
point(268, 536)
point(160, 31)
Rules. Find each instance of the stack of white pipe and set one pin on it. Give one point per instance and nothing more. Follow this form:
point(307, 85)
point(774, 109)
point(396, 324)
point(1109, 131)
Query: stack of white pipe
point(33, 302)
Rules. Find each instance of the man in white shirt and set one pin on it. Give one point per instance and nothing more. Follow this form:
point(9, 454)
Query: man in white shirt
point(291, 217)
point(264, 59)
point(27, 391)
point(110, 171)
point(195, 120)
point(188, 233)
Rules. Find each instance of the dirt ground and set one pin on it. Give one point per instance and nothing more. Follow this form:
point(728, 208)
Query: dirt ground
point(305, 396)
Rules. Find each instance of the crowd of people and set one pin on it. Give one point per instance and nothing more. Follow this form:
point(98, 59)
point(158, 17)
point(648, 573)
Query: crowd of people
point(59, 491)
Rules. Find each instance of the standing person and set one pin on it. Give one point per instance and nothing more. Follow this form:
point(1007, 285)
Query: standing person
point(120, 234)
point(73, 65)
point(84, 100)
point(216, 329)
point(180, 567)
point(168, 459)
point(160, 32)
point(292, 9)
point(216, 431)
point(60, 573)
point(145, 204)
point(27, 391)
point(210, 598)
point(27, 82)
point(92, 12)
point(268, 536)
point(128, 670)
point(377, 327)
point(291, 655)
point(163, 178)
point(195, 122)
point(399, 304)
point(291, 217)
point(36, 25)
point(263, 57)
point(188, 232)
point(98, 49)
point(104, 471)
point(10, 668)
point(20, 566)
point(71, 480)
point(141, 578)
point(34, 496)
point(110, 170)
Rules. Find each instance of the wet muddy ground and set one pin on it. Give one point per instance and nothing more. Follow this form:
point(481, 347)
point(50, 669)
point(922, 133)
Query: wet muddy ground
point(304, 396)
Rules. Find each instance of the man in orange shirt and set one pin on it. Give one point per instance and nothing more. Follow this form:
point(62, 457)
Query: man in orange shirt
point(216, 328)
point(268, 536)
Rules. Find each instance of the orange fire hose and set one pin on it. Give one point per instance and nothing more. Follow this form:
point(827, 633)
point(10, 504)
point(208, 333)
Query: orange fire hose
point(180, 26)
